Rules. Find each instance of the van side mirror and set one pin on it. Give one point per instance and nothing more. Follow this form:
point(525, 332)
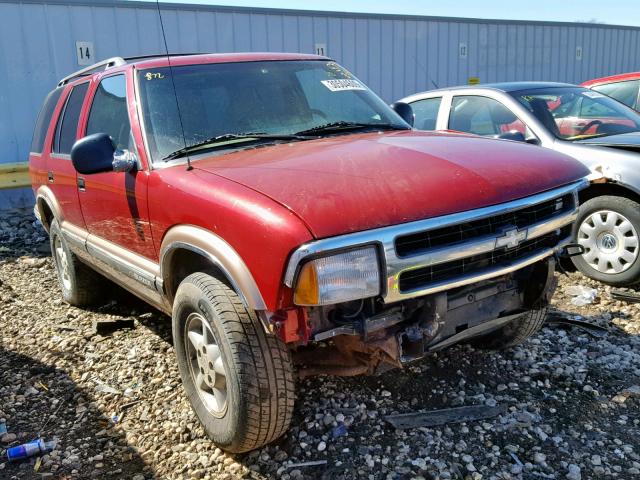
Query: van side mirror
point(96, 154)
point(405, 111)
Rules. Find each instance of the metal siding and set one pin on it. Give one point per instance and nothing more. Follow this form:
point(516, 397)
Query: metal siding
point(395, 55)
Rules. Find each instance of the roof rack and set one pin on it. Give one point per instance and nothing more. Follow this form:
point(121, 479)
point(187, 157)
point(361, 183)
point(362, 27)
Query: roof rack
point(108, 63)
point(160, 55)
point(115, 62)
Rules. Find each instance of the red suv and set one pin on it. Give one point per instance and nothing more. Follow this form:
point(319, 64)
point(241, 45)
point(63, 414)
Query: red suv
point(624, 87)
point(289, 221)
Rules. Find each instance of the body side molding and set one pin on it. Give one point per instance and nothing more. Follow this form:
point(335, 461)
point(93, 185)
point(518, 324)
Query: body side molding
point(216, 250)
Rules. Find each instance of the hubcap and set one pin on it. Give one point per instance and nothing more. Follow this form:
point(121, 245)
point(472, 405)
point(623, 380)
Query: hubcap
point(63, 264)
point(610, 242)
point(205, 364)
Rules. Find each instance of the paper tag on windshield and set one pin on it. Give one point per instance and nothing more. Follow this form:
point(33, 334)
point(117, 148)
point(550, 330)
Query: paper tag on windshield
point(343, 84)
point(592, 94)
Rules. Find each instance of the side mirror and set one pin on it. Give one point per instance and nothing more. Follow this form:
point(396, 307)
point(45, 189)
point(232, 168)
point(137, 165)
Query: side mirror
point(405, 111)
point(512, 135)
point(96, 154)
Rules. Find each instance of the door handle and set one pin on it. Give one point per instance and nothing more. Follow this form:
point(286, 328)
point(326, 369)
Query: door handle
point(81, 184)
point(50, 176)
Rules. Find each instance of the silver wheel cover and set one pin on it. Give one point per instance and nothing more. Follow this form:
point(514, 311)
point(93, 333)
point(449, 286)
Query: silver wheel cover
point(610, 242)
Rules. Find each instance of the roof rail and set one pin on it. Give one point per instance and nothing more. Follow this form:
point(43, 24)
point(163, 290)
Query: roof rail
point(108, 63)
point(161, 55)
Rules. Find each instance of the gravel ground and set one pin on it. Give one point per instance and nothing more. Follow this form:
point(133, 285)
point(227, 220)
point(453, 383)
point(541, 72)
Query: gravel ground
point(115, 405)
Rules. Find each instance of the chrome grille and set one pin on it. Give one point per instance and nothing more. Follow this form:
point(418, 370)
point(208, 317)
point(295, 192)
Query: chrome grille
point(413, 279)
point(416, 243)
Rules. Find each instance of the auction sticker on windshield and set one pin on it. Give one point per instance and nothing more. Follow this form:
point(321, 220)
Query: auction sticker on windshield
point(343, 84)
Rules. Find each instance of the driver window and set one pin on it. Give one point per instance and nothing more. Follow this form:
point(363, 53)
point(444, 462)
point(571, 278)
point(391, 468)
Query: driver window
point(109, 112)
point(426, 113)
point(483, 116)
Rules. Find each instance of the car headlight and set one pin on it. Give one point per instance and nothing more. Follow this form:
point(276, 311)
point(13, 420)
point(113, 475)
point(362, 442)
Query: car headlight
point(342, 277)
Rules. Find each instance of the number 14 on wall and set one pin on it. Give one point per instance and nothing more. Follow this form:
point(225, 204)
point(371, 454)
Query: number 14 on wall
point(84, 53)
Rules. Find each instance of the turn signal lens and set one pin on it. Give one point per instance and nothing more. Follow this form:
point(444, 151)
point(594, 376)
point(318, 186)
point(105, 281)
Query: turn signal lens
point(339, 278)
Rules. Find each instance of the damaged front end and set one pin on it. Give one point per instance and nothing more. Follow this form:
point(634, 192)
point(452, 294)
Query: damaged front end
point(380, 298)
point(367, 337)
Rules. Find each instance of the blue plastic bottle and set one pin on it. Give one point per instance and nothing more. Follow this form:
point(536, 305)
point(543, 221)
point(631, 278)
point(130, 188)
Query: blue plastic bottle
point(30, 449)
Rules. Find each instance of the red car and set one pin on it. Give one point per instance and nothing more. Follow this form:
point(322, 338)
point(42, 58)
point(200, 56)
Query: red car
point(624, 87)
point(288, 219)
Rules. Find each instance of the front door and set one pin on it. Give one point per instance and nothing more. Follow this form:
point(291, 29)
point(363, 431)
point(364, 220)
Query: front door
point(114, 204)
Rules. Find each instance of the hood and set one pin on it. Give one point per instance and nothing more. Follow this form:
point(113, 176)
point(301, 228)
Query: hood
point(356, 182)
point(625, 141)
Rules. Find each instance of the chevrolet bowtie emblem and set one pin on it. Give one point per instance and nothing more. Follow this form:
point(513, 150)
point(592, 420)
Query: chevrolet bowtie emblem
point(511, 238)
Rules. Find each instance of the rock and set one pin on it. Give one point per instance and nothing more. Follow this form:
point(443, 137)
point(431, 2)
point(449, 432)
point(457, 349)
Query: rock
point(574, 472)
point(8, 438)
point(322, 446)
point(539, 458)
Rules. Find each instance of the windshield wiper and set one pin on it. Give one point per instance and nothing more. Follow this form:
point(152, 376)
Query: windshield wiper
point(221, 140)
point(342, 125)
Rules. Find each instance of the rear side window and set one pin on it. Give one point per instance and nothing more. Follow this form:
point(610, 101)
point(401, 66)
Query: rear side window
point(109, 111)
point(624, 92)
point(68, 122)
point(426, 113)
point(44, 119)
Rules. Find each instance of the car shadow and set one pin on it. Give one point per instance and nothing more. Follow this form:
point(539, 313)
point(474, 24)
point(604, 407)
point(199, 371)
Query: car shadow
point(42, 401)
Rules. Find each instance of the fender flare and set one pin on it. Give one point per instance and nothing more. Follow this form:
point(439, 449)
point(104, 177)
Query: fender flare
point(45, 195)
point(219, 253)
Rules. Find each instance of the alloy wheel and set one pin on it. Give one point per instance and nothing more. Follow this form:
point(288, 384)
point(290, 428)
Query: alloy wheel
point(63, 263)
point(206, 364)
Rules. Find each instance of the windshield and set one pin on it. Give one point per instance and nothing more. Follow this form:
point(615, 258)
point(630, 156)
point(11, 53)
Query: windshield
point(574, 113)
point(272, 97)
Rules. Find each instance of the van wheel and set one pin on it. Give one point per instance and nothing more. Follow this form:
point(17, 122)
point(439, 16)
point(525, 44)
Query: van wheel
point(80, 284)
point(513, 333)
point(238, 378)
point(608, 227)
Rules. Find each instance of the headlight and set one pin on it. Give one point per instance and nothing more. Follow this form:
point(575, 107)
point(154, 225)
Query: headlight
point(339, 278)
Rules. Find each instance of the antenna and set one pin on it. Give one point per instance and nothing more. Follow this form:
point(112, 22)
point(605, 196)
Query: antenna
point(175, 93)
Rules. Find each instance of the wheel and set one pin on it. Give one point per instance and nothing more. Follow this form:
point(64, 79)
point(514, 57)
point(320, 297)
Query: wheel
point(513, 333)
point(80, 284)
point(607, 227)
point(238, 378)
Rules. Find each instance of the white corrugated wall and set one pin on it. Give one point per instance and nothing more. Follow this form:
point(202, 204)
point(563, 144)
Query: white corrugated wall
point(394, 55)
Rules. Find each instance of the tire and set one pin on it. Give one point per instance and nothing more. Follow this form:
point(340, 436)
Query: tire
point(80, 285)
point(253, 404)
point(513, 333)
point(615, 220)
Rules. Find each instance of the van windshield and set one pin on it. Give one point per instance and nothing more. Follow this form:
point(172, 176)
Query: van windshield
point(278, 98)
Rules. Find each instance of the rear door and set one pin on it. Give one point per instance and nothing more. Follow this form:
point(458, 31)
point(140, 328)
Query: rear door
point(114, 204)
point(61, 176)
